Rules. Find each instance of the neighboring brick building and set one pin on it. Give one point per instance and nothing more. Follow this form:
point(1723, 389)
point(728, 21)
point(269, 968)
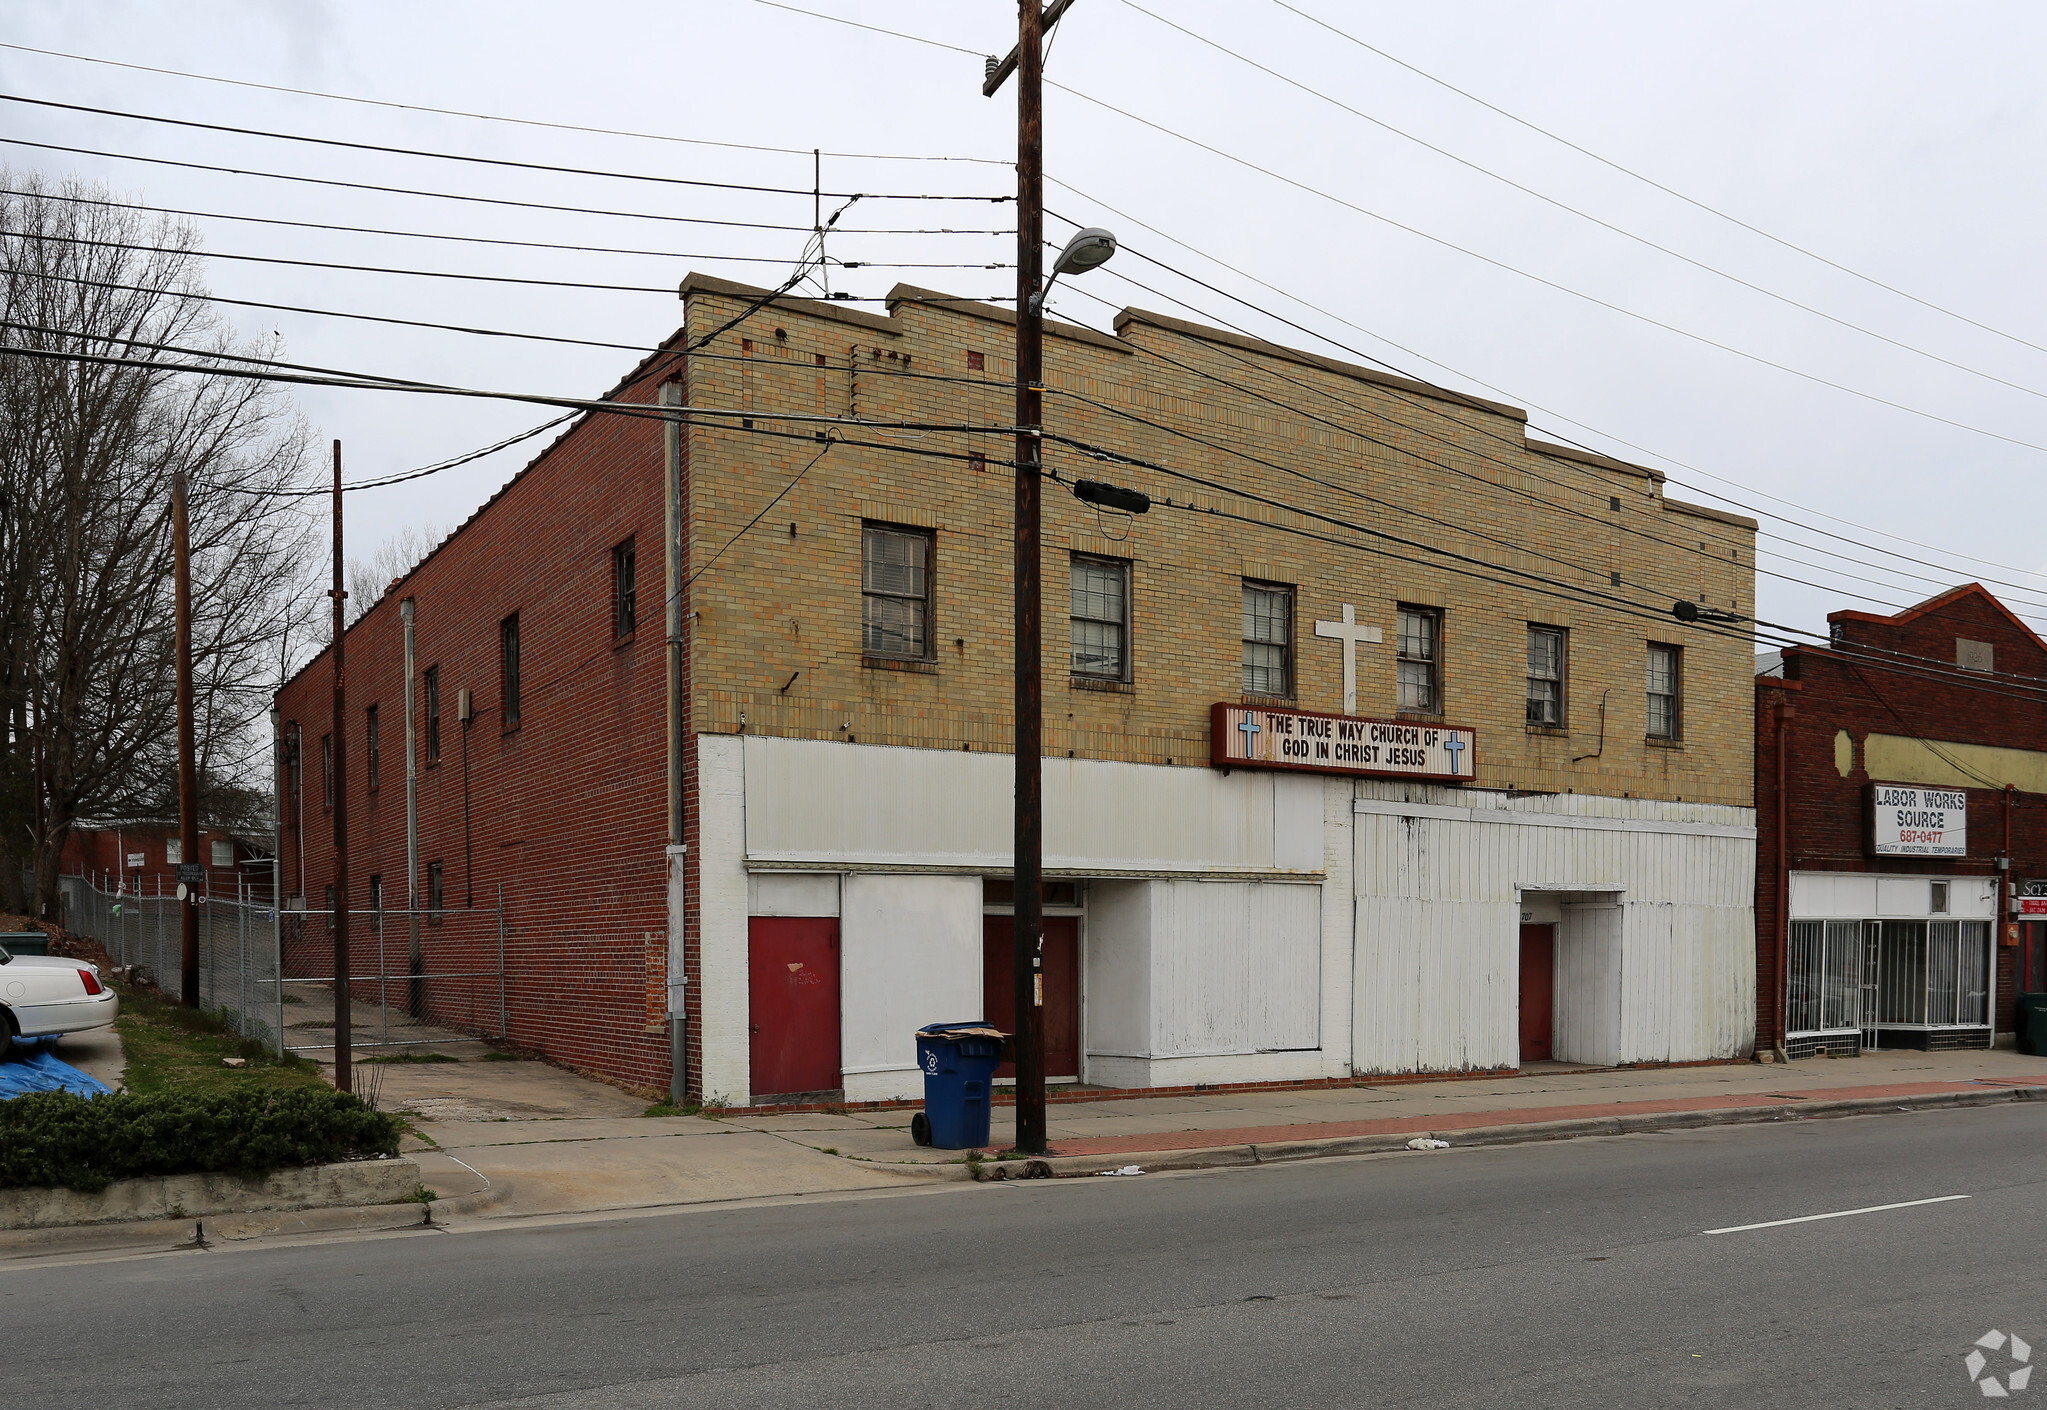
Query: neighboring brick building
point(1551, 849)
point(141, 856)
point(1913, 754)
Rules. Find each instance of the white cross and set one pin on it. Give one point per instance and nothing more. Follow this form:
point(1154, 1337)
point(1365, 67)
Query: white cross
point(1350, 634)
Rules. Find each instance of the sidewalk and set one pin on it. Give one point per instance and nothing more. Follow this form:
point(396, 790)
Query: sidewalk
point(1547, 1092)
point(524, 1138)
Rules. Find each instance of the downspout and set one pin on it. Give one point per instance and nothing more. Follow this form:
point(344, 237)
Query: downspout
point(416, 987)
point(678, 891)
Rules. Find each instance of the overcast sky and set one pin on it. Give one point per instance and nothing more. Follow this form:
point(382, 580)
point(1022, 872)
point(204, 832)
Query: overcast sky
point(1903, 142)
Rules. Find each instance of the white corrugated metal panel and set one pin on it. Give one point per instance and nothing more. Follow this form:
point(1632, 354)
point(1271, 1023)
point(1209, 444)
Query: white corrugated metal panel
point(1668, 977)
point(817, 802)
point(1588, 984)
point(909, 954)
point(1236, 967)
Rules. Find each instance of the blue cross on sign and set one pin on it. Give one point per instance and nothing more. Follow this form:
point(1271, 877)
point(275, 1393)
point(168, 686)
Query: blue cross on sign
point(1455, 746)
point(1250, 727)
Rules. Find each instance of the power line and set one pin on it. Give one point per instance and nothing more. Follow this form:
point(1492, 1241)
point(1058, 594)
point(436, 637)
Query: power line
point(431, 273)
point(1307, 304)
point(474, 200)
point(1520, 469)
point(1660, 186)
point(509, 162)
point(1502, 265)
point(373, 382)
point(1465, 399)
point(874, 29)
point(470, 239)
point(499, 117)
point(1582, 214)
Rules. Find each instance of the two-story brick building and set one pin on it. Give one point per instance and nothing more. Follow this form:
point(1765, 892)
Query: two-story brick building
point(1902, 794)
point(1373, 747)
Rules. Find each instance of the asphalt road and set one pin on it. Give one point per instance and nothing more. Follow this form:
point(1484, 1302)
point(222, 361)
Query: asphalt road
point(1563, 1274)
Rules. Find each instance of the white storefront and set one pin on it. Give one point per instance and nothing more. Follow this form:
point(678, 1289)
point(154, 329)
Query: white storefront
point(1238, 925)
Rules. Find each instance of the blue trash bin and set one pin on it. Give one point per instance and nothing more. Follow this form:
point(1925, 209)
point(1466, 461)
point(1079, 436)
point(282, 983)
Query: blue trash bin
point(958, 1061)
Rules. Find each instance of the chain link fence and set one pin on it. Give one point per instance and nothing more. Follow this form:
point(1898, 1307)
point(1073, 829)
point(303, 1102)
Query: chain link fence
point(415, 977)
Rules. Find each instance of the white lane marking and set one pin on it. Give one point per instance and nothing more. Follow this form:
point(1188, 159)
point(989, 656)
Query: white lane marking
point(1837, 1214)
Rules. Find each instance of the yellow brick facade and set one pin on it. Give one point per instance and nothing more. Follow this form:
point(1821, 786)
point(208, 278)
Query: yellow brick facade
point(1439, 501)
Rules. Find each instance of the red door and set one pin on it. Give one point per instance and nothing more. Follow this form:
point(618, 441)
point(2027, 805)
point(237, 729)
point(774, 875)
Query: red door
point(1062, 988)
point(793, 973)
point(1538, 990)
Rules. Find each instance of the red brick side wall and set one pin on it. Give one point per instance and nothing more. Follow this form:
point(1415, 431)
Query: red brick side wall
point(566, 812)
point(1925, 697)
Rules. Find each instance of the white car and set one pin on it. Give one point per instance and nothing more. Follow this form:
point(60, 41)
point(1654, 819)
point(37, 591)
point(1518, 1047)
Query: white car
point(44, 994)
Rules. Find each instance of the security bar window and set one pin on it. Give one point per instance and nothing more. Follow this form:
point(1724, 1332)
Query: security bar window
point(895, 591)
point(430, 690)
point(1100, 605)
point(1420, 662)
point(370, 750)
point(327, 769)
point(1268, 639)
point(625, 601)
point(1665, 682)
point(508, 671)
point(434, 892)
point(1545, 676)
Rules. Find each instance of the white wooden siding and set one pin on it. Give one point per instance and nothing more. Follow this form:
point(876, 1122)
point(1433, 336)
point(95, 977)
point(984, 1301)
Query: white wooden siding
point(1668, 976)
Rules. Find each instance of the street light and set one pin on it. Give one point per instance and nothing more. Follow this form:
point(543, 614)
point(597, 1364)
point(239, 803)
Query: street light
point(1089, 248)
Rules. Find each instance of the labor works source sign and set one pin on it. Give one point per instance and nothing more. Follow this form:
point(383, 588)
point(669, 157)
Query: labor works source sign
point(1909, 821)
point(1249, 736)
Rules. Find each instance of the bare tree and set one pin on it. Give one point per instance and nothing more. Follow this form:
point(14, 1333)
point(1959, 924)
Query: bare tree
point(88, 455)
point(399, 555)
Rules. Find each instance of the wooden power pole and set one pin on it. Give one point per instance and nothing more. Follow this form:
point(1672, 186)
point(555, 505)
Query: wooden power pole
point(188, 768)
point(1028, 63)
point(343, 1078)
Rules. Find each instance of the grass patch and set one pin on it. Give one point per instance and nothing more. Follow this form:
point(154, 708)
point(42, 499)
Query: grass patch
point(409, 1057)
point(664, 1109)
point(172, 1048)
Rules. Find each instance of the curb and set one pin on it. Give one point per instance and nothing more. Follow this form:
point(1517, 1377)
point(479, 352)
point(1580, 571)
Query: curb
point(1639, 1123)
point(167, 1235)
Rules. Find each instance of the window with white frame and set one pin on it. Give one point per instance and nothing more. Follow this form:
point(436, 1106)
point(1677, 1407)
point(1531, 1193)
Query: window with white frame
point(1546, 657)
point(1666, 683)
point(895, 592)
point(1268, 639)
point(1420, 663)
point(1100, 608)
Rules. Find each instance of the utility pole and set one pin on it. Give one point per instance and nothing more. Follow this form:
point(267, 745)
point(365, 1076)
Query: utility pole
point(343, 1077)
point(188, 771)
point(1030, 685)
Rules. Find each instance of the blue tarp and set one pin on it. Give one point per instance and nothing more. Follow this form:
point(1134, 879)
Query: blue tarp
point(31, 1066)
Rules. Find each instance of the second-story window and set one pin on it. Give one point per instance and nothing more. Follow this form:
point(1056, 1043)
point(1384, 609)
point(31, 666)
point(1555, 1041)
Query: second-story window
point(1420, 664)
point(895, 592)
point(1101, 617)
point(294, 765)
point(1666, 682)
point(430, 690)
point(508, 670)
point(625, 597)
point(1546, 676)
point(370, 747)
point(1268, 639)
point(327, 769)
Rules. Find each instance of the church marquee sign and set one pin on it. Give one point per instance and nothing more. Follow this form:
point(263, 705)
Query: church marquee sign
point(1253, 737)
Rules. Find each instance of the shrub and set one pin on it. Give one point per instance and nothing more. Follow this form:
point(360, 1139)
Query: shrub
point(86, 1143)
